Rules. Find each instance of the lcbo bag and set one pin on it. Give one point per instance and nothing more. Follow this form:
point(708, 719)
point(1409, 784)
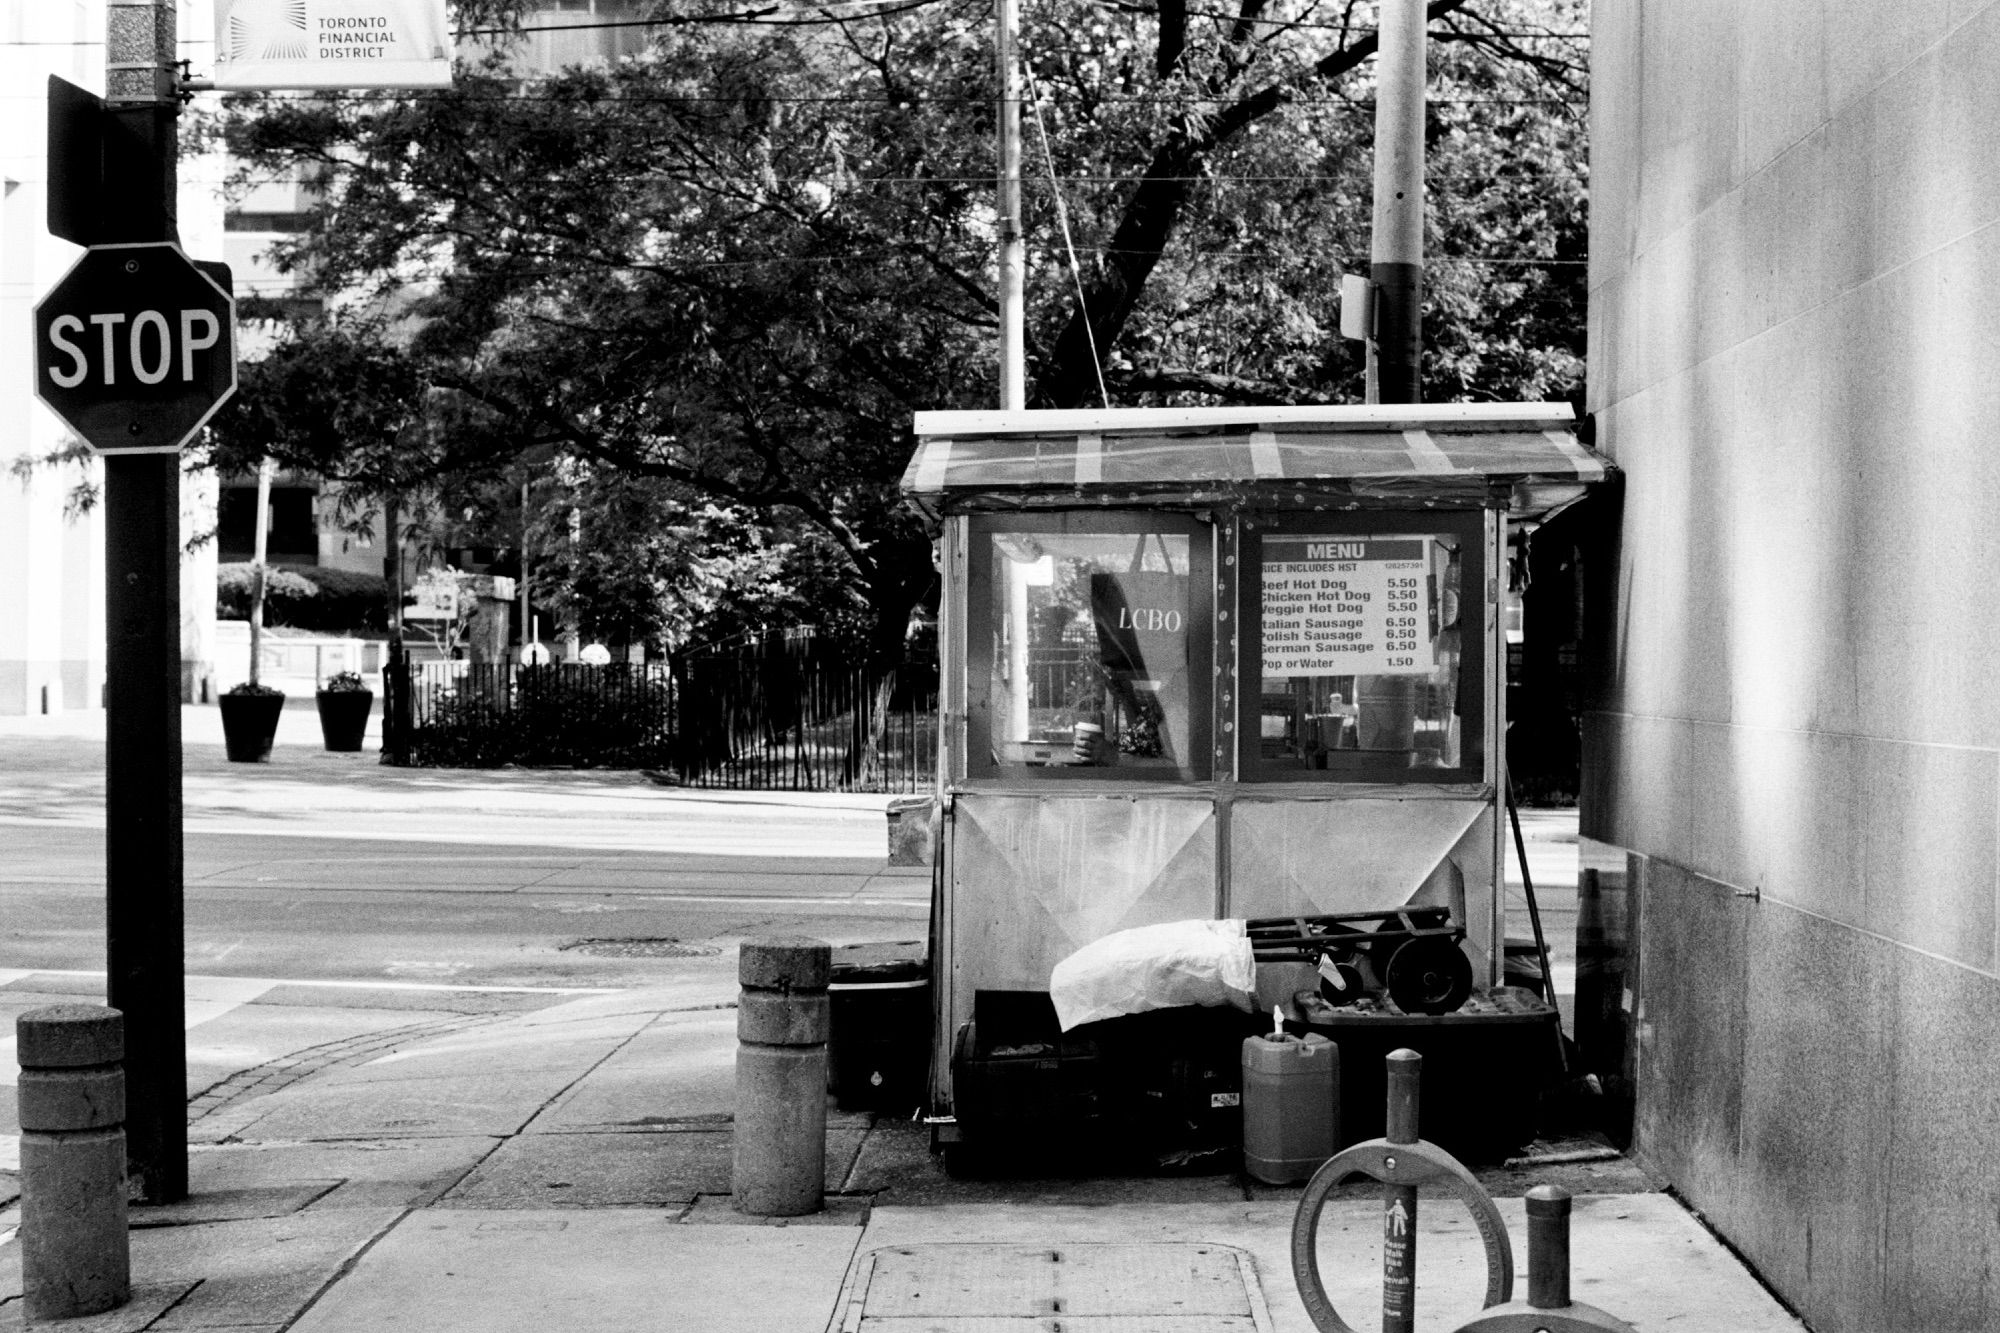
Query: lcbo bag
point(1155, 967)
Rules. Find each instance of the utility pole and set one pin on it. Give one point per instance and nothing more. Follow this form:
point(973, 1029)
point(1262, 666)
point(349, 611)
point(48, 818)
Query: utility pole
point(1396, 250)
point(1013, 248)
point(142, 789)
point(1396, 268)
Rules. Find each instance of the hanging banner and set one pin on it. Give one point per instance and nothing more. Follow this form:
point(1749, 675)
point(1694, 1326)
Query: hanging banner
point(332, 44)
point(1142, 648)
point(1347, 606)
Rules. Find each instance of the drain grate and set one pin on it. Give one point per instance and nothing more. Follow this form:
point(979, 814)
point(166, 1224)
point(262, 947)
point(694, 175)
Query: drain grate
point(639, 946)
point(969, 1288)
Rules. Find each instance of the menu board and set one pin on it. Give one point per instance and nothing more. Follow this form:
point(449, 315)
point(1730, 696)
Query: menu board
point(1347, 606)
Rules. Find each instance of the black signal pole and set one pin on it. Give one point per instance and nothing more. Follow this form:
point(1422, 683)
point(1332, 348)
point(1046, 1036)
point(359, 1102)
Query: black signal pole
point(142, 696)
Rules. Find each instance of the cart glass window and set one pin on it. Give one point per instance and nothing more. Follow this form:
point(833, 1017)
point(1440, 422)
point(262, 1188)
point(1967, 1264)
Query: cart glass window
point(1366, 643)
point(1089, 648)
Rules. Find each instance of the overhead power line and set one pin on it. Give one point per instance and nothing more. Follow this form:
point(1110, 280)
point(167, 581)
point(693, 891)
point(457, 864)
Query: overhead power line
point(898, 6)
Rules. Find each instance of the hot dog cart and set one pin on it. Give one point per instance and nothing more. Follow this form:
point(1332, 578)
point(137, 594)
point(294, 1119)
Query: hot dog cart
point(1221, 663)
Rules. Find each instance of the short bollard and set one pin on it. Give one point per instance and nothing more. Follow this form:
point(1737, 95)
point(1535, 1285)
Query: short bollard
point(1548, 1308)
point(1399, 1202)
point(75, 1256)
point(781, 1030)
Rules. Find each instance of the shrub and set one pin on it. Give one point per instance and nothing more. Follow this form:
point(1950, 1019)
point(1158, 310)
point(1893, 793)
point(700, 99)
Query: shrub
point(327, 601)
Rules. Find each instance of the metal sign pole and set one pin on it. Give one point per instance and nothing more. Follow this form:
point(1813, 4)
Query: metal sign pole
point(142, 693)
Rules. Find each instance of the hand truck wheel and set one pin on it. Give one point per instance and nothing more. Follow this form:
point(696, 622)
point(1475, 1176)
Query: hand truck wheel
point(1428, 975)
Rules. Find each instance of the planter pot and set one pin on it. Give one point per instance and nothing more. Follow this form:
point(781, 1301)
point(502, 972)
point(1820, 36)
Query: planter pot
point(249, 723)
point(343, 717)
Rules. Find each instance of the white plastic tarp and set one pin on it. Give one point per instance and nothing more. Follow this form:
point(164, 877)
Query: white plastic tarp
point(1155, 967)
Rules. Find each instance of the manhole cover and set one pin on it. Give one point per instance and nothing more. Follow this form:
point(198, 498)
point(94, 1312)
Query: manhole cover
point(662, 946)
point(966, 1288)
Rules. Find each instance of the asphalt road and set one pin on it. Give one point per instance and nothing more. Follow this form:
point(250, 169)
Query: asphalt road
point(332, 867)
point(335, 908)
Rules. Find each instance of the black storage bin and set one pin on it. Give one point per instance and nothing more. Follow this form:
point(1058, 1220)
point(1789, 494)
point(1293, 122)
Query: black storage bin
point(1174, 1080)
point(1152, 1091)
point(1016, 1075)
point(1485, 1068)
point(878, 1053)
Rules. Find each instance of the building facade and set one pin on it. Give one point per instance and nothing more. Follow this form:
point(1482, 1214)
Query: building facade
point(1793, 773)
point(51, 551)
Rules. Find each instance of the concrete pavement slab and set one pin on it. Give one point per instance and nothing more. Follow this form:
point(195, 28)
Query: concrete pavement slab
point(663, 1170)
point(207, 1202)
point(493, 1106)
point(254, 1272)
point(488, 1081)
point(682, 1065)
point(228, 1274)
point(1642, 1257)
point(608, 1271)
point(385, 1173)
point(149, 1301)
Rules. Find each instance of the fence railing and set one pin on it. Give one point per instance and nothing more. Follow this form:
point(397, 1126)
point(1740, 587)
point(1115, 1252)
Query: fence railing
point(771, 722)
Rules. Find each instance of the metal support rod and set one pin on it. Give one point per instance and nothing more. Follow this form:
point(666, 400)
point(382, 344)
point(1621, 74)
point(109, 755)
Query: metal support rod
point(1013, 248)
point(1399, 1202)
point(1396, 250)
point(142, 790)
point(1535, 920)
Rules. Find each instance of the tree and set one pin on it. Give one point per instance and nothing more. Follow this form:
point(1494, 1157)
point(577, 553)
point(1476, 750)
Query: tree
point(733, 266)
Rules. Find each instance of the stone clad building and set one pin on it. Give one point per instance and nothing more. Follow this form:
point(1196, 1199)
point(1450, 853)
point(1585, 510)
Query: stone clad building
point(1793, 773)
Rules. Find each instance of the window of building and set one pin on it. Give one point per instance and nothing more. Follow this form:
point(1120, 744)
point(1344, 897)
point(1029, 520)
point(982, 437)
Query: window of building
point(1364, 655)
point(1089, 638)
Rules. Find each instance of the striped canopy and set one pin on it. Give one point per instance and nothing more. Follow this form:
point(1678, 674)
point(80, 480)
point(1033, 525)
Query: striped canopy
point(1523, 456)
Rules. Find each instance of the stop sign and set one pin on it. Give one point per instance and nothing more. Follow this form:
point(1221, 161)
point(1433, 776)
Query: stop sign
point(135, 348)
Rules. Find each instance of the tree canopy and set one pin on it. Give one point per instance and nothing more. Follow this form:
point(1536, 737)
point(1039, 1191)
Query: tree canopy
point(715, 278)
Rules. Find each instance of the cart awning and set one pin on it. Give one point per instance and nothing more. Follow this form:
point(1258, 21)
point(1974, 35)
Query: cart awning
point(1524, 457)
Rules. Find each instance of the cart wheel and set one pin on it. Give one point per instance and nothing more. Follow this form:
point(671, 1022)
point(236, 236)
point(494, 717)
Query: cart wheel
point(1350, 988)
point(1428, 975)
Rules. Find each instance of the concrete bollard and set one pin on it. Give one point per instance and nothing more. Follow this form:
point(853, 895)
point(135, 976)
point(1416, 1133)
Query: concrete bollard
point(779, 1168)
point(76, 1258)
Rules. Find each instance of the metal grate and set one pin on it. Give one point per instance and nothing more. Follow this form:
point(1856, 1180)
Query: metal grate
point(968, 1288)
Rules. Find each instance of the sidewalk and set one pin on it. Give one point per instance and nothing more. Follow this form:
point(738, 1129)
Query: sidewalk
point(568, 1170)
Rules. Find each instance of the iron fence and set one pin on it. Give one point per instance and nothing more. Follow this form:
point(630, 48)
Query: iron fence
point(780, 721)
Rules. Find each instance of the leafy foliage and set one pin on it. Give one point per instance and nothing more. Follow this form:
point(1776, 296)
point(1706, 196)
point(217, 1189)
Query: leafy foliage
point(708, 284)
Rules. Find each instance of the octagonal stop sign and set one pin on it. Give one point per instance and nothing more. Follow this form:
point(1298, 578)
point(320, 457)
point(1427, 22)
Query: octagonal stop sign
point(135, 348)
